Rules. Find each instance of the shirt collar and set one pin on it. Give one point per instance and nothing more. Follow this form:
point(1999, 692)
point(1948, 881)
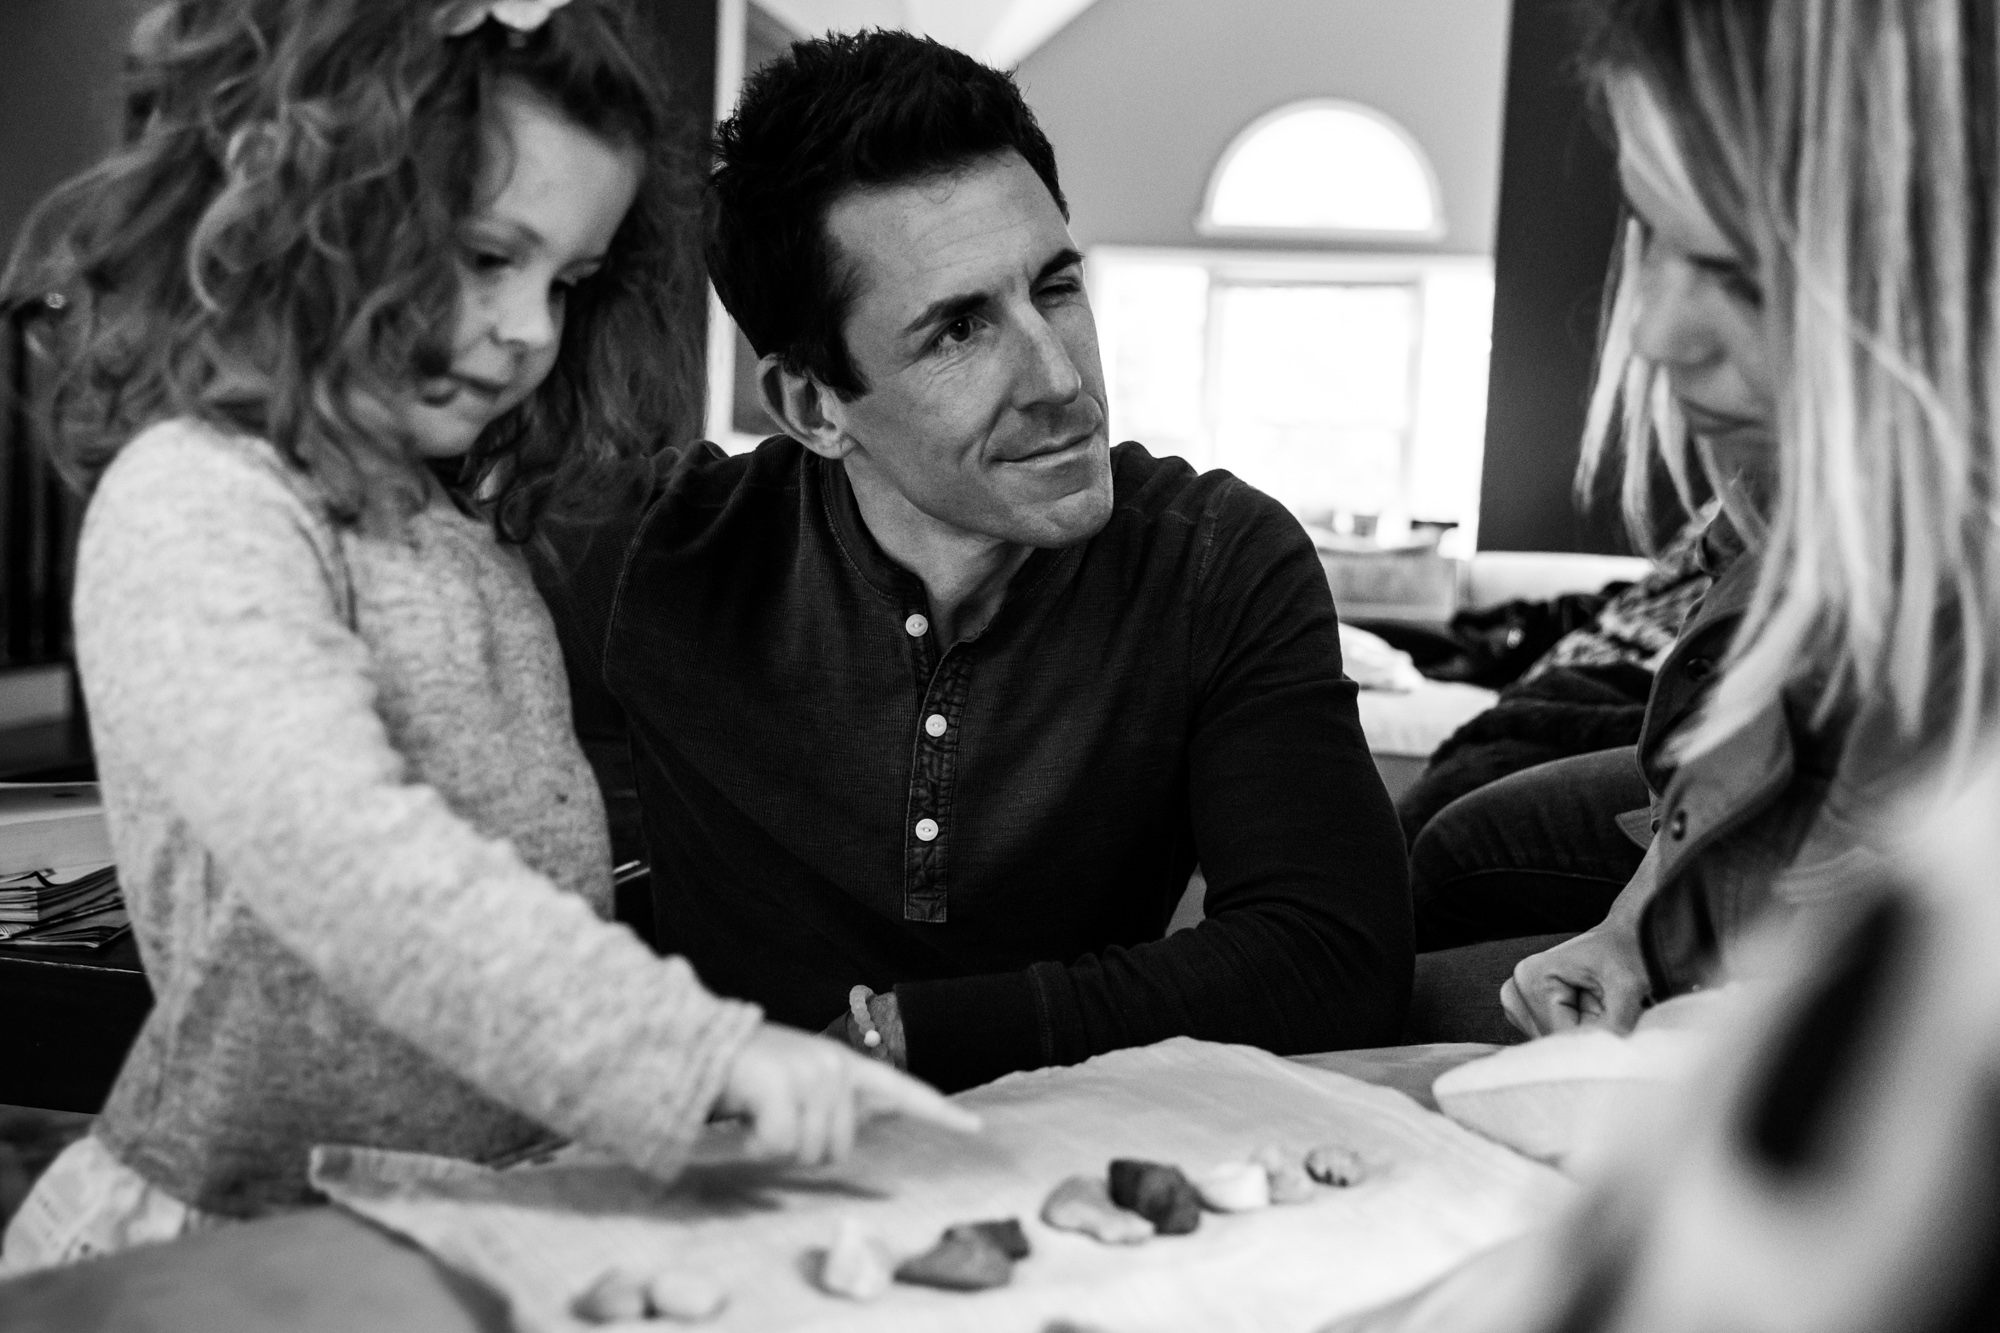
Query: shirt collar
point(866, 556)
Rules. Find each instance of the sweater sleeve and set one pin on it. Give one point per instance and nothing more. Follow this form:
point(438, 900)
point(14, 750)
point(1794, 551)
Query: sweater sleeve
point(1307, 941)
point(222, 674)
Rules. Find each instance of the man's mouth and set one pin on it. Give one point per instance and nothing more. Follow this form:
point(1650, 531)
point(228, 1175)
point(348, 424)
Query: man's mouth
point(1062, 446)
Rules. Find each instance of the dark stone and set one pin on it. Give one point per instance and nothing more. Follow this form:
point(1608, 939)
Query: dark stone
point(1160, 1194)
point(966, 1261)
point(1006, 1235)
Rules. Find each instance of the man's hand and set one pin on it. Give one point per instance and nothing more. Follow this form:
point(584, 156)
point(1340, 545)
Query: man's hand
point(1597, 979)
point(805, 1095)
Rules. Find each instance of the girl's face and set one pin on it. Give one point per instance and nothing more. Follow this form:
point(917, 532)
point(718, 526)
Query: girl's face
point(1700, 317)
point(555, 195)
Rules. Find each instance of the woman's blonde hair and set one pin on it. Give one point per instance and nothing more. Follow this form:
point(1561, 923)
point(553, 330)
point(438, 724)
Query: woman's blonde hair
point(1852, 147)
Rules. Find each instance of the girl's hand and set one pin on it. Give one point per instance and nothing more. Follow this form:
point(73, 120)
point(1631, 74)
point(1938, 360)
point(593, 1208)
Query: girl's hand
point(805, 1095)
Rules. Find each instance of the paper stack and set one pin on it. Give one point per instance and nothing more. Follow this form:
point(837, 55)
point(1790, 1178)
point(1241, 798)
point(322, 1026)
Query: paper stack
point(79, 907)
point(58, 888)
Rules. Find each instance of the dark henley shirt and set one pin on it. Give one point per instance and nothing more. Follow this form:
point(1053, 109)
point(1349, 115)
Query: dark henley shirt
point(999, 830)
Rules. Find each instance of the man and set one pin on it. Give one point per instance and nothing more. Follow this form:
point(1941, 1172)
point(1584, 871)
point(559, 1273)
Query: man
point(940, 695)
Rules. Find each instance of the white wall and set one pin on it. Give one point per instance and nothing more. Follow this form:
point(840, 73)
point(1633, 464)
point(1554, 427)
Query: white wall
point(1140, 97)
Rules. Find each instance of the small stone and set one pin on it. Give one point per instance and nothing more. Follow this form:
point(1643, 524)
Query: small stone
point(618, 1295)
point(1160, 1194)
point(965, 1262)
point(1234, 1187)
point(1288, 1180)
point(1005, 1236)
point(857, 1265)
point(685, 1297)
point(1336, 1166)
point(1084, 1205)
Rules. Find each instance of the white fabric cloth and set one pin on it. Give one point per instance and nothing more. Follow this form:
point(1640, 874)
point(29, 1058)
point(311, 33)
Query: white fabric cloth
point(87, 1204)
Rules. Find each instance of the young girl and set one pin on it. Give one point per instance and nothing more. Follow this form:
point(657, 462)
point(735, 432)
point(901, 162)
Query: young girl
point(371, 288)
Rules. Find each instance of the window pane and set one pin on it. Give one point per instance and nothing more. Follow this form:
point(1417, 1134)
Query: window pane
point(1314, 392)
point(1448, 445)
point(1153, 325)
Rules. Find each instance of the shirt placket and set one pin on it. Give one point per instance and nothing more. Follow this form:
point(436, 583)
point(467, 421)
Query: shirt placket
point(945, 682)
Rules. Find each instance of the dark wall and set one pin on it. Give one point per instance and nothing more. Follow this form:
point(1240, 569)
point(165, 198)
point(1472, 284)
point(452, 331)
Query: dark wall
point(687, 34)
point(1559, 205)
point(58, 101)
point(58, 113)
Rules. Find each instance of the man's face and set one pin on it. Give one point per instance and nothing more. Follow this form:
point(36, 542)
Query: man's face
point(985, 406)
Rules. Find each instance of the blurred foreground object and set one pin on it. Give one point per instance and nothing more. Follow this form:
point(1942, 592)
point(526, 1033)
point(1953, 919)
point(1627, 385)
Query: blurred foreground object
point(1838, 1170)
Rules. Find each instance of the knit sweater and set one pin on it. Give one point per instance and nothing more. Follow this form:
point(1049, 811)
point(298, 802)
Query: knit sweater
point(365, 858)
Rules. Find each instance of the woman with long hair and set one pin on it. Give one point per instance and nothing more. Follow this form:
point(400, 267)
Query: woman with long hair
point(1809, 302)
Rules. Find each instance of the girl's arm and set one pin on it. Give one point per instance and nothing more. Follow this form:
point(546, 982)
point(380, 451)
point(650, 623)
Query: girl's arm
point(221, 675)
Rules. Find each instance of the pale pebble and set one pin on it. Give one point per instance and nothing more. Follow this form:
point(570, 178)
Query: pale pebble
point(1234, 1187)
point(857, 1265)
point(617, 1296)
point(1336, 1166)
point(1084, 1205)
point(1288, 1180)
point(685, 1297)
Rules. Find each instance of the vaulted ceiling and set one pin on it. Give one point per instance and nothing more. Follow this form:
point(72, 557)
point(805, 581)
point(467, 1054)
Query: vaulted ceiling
point(999, 32)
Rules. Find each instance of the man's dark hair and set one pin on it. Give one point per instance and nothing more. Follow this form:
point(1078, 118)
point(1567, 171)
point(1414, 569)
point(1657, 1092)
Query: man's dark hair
point(835, 114)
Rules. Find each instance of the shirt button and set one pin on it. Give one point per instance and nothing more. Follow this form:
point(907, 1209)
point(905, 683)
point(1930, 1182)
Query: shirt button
point(1679, 827)
point(917, 626)
point(935, 724)
point(927, 830)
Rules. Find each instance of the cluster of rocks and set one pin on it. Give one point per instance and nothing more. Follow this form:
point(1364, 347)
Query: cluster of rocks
point(1139, 1200)
point(1133, 1202)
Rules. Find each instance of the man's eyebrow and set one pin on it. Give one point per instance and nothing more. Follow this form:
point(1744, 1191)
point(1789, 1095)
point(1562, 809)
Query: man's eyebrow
point(1062, 259)
point(947, 308)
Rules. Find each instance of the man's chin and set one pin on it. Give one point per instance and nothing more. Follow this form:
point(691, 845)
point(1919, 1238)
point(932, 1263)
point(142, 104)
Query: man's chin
point(1076, 517)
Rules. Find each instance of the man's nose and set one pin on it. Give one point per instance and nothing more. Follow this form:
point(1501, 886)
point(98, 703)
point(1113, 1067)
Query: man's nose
point(1049, 373)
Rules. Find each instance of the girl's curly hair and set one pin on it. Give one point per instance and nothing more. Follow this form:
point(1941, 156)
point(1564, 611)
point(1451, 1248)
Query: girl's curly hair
point(274, 248)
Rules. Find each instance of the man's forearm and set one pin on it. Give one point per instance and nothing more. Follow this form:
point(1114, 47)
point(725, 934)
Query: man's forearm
point(1275, 978)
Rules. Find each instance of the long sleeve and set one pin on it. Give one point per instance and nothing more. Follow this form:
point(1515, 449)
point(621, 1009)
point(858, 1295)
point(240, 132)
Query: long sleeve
point(227, 683)
point(1307, 941)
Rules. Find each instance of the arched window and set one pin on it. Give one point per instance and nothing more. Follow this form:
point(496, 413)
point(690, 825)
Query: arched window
point(1324, 169)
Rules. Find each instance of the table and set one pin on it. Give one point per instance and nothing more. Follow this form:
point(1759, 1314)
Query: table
point(73, 1016)
point(326, 1271)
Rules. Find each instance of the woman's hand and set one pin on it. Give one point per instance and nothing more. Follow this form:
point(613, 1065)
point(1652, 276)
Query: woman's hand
point(1597, 979)
point(805, 1095)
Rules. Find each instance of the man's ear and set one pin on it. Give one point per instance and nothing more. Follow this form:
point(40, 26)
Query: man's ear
point(800, 405)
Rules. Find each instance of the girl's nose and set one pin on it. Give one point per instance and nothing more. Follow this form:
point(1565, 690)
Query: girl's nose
point(525, 318)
